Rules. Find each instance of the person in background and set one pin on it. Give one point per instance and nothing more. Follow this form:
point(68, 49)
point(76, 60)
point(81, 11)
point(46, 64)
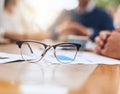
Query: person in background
point(15, 27)
point(87, 20)
point(108, 44)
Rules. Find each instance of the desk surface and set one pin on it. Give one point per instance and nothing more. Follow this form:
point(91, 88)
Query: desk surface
point(44, 78)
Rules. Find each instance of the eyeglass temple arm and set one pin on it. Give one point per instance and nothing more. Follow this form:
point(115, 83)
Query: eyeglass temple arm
point(19, 43)
point(30, 47)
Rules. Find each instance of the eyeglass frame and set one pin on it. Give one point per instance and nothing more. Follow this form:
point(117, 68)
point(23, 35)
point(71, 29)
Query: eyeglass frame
point(47, 47)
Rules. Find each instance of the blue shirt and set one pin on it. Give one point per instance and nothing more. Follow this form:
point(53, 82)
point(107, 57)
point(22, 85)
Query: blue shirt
point(98, 19)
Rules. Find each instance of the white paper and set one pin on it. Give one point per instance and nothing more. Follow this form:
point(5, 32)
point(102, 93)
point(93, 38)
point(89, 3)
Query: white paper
point(85, 58)
point(9, 58)
point(81, 58)
point(92, 58)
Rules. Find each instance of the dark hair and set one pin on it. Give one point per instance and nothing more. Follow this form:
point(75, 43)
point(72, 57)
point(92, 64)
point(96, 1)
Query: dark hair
point(6, 2)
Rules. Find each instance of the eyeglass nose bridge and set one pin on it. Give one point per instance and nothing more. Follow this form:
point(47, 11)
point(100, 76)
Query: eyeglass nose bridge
point(45, 51)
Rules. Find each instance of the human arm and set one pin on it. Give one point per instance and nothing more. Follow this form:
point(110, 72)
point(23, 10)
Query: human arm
point(26, 36)
point(70, 27)
point(109, 46)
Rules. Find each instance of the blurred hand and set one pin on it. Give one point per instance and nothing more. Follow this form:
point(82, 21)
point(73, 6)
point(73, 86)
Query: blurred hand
point(41, 35)
point(73, 28)
point(101, 40)
point(31, 35)
point(111, 47)
point(14, 35)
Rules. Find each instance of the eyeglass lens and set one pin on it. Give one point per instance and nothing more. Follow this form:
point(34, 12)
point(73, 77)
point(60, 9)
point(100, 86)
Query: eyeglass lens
point(32, 50)
point(66, 52)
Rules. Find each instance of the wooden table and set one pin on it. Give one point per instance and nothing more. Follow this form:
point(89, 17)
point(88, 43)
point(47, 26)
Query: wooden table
point(45, 78)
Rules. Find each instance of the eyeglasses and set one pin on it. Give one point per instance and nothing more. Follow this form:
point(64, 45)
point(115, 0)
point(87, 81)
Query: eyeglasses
point(35, 50)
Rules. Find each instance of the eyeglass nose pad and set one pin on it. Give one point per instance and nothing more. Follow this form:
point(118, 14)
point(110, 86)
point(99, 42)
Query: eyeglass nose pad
point(54, 52)
point(45, 51)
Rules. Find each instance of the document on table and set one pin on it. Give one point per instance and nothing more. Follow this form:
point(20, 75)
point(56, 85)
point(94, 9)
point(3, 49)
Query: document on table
point(92, 58)
point(81, 58)
point(6, 58)
point(86, 58)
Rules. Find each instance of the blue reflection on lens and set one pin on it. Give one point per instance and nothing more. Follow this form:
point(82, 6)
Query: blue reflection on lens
point(61, 57)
